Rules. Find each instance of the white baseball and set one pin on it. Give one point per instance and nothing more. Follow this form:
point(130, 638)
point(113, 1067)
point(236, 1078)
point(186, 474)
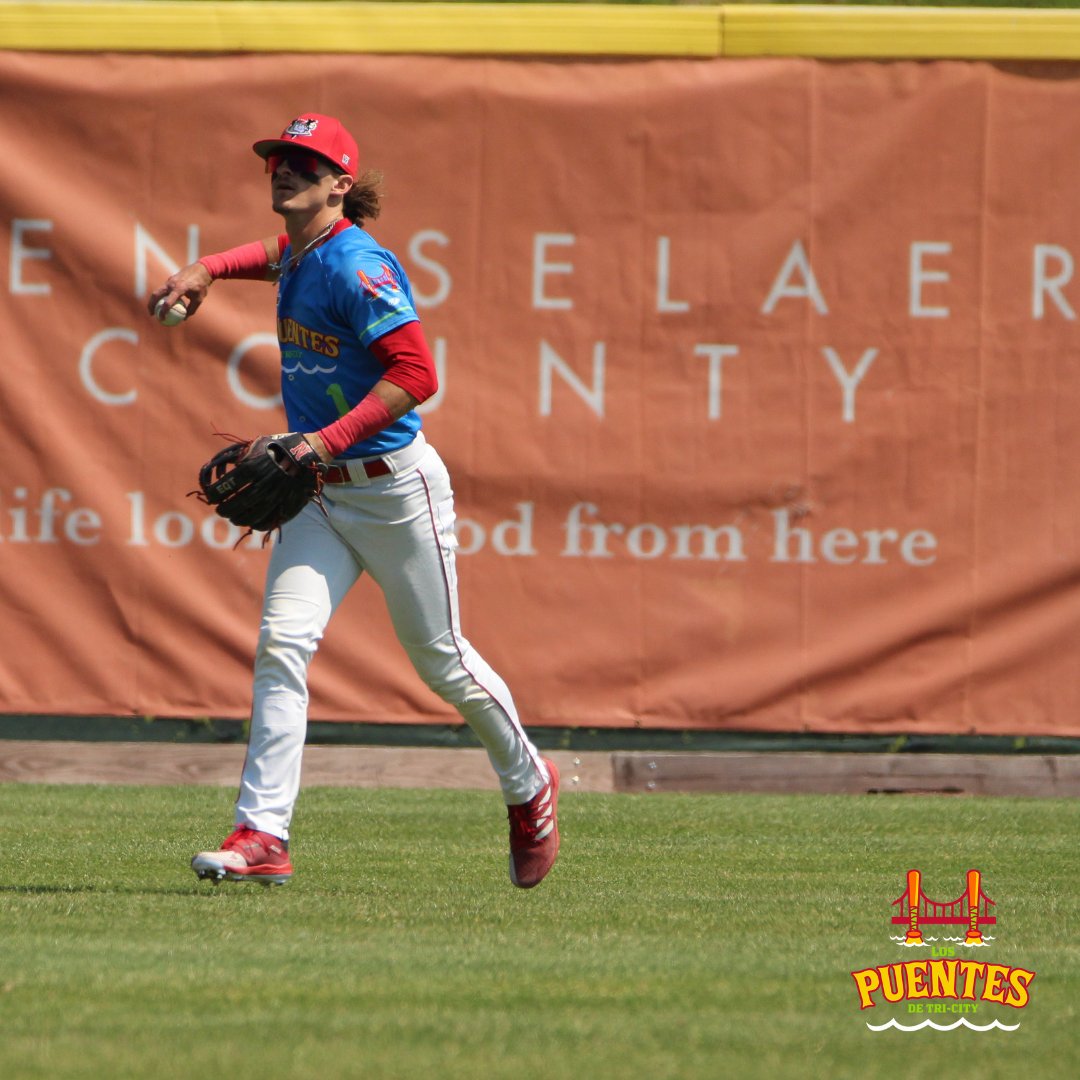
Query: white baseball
point(174, 316)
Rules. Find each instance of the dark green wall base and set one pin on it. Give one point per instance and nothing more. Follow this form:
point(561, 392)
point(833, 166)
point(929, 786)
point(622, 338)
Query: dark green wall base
point(150, 729)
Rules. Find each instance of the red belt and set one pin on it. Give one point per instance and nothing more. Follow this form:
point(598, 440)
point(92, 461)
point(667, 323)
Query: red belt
point(340, 474)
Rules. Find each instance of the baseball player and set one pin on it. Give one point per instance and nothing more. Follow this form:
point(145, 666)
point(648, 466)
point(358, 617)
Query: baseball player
point(354, 366)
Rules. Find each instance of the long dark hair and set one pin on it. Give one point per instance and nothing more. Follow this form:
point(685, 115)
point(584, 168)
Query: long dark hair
point(363, 201)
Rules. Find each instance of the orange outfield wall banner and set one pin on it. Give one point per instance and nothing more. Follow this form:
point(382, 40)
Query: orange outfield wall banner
point(759, 384)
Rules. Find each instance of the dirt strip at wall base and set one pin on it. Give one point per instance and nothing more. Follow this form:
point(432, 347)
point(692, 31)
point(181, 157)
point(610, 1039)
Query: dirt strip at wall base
point(1044, 775)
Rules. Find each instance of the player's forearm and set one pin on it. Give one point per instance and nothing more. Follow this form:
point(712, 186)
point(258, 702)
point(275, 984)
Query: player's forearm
point(256, 261)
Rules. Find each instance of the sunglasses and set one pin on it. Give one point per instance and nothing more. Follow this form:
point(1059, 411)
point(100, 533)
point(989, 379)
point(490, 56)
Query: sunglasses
point(305, 165)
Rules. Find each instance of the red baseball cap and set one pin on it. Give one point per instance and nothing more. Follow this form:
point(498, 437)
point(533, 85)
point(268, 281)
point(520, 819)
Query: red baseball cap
point(322, 135)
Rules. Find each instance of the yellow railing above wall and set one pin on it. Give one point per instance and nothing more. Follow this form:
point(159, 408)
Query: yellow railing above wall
point(900, 32)
point(341, 26)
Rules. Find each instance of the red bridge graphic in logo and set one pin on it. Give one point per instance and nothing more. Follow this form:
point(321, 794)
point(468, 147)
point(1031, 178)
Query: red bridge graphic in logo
point(372, 285)
point(971, 909)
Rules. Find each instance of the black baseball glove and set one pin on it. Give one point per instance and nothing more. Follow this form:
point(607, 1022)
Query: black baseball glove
point(262, 483)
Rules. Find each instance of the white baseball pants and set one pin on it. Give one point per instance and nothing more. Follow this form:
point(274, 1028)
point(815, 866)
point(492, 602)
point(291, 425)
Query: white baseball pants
point(399, 529)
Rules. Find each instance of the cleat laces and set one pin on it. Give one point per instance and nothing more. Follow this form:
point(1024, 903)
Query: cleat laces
point(534, 820)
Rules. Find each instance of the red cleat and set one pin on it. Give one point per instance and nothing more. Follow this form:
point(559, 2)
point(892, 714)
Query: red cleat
point(246, 855)
point(534, 833)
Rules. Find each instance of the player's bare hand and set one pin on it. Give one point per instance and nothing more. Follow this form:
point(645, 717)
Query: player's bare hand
point(191, 283)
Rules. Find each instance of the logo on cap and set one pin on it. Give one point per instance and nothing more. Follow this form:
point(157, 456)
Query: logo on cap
point(301, 127)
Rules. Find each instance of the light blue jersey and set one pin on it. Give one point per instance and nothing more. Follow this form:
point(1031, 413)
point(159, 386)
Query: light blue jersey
point(342, 296)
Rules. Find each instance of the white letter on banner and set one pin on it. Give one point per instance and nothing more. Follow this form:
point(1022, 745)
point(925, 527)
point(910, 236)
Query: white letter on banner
point(145, 243)
point(550, 360)
point(514, 536)
point(542, 269)
point(86, 365)
point(20, 253)
point(848, 382)
point(663, 278)
point(437, 270)
point(796, 260)
point(232, 371)
point(1044, 283)
point(918, 275)
point(715, 355)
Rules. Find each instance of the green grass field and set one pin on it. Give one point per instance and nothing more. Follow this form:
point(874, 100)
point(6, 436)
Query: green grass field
point(677, 937)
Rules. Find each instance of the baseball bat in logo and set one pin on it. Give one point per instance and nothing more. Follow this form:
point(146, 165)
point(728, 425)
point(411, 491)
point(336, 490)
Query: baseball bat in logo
point(971, 909)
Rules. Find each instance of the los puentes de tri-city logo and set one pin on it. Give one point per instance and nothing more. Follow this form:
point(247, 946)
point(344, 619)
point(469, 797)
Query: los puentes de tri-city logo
point(948, 984)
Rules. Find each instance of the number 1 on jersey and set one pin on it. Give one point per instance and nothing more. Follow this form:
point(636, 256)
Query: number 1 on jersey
point(334, 391)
